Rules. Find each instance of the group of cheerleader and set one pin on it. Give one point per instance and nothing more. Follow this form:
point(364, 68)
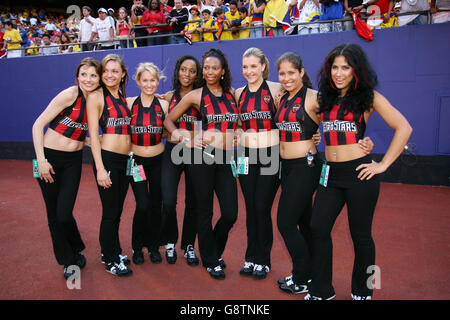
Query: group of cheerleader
point(263, 134)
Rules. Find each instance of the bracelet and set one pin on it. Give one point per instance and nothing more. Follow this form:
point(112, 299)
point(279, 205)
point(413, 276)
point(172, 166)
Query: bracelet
point(186, 140)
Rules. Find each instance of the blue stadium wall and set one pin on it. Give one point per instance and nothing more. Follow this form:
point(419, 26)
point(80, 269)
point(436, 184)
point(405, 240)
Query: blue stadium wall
point(412, 63)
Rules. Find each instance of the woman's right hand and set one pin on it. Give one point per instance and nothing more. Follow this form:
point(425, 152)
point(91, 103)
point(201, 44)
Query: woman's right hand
point(103, 178)
point(46, 171)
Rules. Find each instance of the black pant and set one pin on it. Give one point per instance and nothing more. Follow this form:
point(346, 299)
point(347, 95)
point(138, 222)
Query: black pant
point(59, 198)
point(172, 174)
point(112, 204)
point(259, 191)
point(298, 183)
point(361, 197)
point(206, 179)
point(147, 217)
point(141, 32)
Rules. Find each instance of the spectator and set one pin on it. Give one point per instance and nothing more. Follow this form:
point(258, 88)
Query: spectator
point(50, 27)
point(256, 11)
point(12, 40)
point(33, 20)
point(413, 5)
point(2, 50)
point(47, 46)
point(220, 4)
point(309, 12)
point(207, 25)
point(113, 20)
point(85, 33)
point(152, 18)
point(274, 12)
point(176, 19)
point(104, 30)
point(65, 40)
point(137, 10)
point(378, 12)
point(123, 28)
point(245, 22)
point(194, 25)
point(439, 17)
point(331, 10)
point(221, 24)
point(166, 29)
point(243, 3)
point(34, 48)
point(233, 15)
point(351, 6)
point(202, 6)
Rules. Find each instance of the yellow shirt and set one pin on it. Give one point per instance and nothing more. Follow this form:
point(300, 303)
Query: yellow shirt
point(13, 35)
point(245, 33)
point(190, 27)
point(230, 18)
point(226, 35)
point(208, 36)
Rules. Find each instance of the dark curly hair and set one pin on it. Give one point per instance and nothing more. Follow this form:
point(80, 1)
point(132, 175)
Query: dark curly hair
point(297, 62)
point(225, 81)
point(176, 85)
point(359, 96)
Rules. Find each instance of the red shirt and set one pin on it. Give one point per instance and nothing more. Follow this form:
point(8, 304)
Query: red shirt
point(157, 17)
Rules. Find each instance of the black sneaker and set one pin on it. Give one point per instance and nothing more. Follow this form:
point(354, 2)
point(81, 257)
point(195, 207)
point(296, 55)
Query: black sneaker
point(118, 269)
point(247, 270)
point(138, 257)
point(171, 255)
point(260, 271)
point(284, 280)
point(155, 257)
point(222, 263)
point(67, 274)
point(292, 288)
point(190, 256)
point(123, 259)
point(80, 260)
point(216, 272)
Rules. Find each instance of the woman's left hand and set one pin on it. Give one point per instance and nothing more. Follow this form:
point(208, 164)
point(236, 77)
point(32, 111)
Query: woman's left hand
point(316, 138)
point(369, 170)
point(366, 145)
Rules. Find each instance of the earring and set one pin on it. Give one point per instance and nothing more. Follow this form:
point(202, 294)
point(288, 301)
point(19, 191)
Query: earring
point(221, 77)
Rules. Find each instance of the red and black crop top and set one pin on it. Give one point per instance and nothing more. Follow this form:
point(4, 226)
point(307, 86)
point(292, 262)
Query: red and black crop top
point(146, 123)
point(187, 120)
point(257, 109)
point(116, 116)
point(218, 113)
point(292, 120)
point(72, 121)
point(341, 127)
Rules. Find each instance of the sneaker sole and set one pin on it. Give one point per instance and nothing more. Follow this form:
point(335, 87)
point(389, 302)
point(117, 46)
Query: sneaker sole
point(246, 274)
point(120, 275)
point(291, 292)
point(261, 277)
point(192, 264)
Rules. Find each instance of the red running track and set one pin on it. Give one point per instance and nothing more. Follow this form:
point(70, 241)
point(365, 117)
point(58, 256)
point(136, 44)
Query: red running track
point(410, 230)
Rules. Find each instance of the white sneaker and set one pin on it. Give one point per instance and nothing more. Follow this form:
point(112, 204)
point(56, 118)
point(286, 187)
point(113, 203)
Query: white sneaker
point(355, 297)
point(310, 297)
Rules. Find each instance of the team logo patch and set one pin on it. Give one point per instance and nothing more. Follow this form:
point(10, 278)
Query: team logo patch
point(295, 107)
point(159, 114)
point(266, 98)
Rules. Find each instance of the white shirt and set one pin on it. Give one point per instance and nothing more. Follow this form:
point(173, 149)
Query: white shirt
point(102, 28)
point(48, 50)
point(86, 29)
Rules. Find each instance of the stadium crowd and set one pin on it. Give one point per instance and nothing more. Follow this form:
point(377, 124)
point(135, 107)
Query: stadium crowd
point(41, 32)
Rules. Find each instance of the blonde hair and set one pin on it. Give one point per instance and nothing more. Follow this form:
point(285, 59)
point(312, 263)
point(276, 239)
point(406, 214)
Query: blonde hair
point(150, 67)
point(258, 53)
